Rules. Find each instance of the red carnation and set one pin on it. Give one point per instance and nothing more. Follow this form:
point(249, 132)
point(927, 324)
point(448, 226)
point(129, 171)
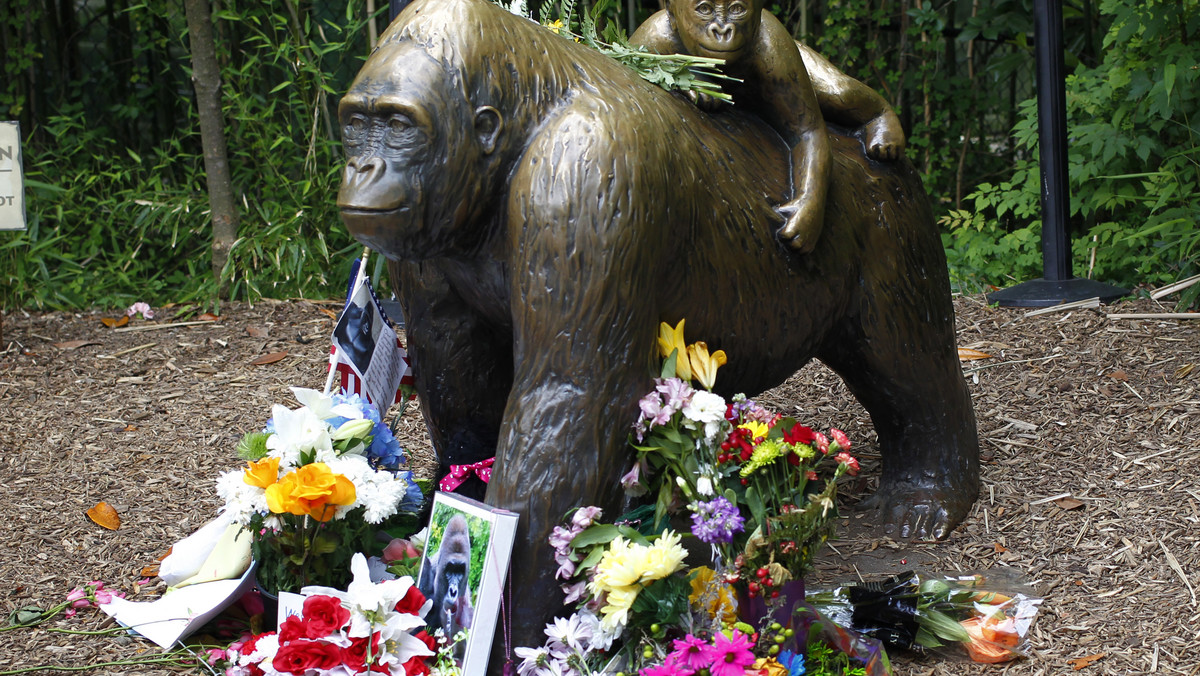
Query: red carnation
point(821, 442)
point(840, 438)
point(412, 601)
point(324, 615)
point(848, 460)
point(799, 434)
point(299, 656)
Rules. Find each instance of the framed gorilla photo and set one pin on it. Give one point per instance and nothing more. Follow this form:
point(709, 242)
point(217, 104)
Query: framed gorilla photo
point(462, 570)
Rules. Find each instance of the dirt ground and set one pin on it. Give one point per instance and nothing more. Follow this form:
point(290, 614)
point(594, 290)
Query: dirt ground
point(1088, 428)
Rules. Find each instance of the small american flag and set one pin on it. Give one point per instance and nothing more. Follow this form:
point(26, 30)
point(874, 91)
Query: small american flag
point(367, 356)
point(351, 383)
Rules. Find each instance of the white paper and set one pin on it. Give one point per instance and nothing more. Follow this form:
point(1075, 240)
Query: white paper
point(181, 612)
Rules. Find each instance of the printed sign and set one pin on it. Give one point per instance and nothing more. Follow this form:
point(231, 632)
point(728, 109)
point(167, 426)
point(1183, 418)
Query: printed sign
point(12, 183)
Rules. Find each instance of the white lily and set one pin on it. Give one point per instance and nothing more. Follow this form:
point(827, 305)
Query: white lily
point(296, 432)
point(323, 406)
point(372, 609)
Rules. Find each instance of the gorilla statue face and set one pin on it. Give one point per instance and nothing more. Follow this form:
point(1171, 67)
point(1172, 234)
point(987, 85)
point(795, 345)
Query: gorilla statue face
point(415, 155)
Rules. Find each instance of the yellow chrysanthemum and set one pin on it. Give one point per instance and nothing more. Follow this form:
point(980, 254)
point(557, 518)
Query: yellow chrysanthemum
point(663, 558)
point(620, 566)
point(763, 455)
point(618, 603)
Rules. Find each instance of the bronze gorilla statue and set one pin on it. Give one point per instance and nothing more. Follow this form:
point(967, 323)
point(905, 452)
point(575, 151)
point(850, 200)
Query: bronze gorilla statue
point(543, 209)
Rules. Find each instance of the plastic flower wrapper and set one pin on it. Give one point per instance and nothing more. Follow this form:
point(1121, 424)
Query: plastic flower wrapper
point(988, 615)
point(319, 481)
point(367, 628)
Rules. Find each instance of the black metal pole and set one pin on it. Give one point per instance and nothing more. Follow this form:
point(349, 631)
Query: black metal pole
point(1052, 139)
point(1057, 285)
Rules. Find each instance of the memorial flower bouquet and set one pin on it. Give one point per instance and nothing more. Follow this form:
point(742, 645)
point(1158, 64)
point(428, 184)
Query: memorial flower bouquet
point(369, 628)
point(641, 610)
point(760, 487)
point(318, 482)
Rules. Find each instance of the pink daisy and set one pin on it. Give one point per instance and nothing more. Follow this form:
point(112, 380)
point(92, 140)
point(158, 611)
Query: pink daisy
point(731, 655)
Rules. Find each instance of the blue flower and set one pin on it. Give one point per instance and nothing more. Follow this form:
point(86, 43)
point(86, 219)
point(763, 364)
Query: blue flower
point(413, 496)
point(384, 450)
point(792, 662)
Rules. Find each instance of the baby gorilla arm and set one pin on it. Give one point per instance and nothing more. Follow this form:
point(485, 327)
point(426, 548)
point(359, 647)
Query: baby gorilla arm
point(790, 106)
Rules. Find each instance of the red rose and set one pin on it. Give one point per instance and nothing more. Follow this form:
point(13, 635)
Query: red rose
point(412, 601)
point(355, 655)
point(299, 656)
point(416, 667)
point(324, 615)
point(292, 629)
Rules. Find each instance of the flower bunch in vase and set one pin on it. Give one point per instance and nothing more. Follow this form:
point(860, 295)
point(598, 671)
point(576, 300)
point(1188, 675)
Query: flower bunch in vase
point(369, 628)
point(318, 483)
point(641, 610)
point(760, 487)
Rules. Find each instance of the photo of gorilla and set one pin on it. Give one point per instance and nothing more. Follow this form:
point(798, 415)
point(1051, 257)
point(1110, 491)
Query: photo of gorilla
point(446, 575)
point(355, 334)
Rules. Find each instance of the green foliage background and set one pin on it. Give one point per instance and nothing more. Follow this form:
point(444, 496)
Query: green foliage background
point(116, 195)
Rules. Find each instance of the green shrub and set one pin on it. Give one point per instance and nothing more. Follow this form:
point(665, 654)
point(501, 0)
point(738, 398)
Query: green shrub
point(1134, 158)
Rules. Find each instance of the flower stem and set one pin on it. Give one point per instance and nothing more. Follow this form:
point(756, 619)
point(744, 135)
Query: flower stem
point(177, 660)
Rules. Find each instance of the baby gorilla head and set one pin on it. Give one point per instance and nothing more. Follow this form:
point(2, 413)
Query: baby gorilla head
point(718, 29)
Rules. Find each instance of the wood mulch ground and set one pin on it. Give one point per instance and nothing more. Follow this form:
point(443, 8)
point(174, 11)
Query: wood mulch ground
point(1088, 427)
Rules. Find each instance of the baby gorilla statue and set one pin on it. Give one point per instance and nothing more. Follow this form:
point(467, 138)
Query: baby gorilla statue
point(788, 85)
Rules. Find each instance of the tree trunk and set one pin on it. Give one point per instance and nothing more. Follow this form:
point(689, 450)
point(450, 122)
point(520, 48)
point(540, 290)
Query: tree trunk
point(206, 77)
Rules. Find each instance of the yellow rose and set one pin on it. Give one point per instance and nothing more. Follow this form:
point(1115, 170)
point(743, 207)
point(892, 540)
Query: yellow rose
point(311, 490)
point(280, 497)
point(262, 473)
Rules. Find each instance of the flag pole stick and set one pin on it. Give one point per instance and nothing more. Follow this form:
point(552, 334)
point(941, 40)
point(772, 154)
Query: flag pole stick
point(358, 280)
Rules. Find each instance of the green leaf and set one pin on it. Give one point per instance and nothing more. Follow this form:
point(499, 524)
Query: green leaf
point(1169, 79)
point(668, 367)
point(596, 534)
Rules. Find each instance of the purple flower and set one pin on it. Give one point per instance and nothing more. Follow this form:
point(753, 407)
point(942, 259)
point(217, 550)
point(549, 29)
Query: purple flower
point(585, 516)
point(575, 591)
point(676, 392)
point(654, 411)
point(632, 481)
point(716, 521)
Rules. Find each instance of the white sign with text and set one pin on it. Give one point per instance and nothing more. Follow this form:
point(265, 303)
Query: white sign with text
point(12, 183)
